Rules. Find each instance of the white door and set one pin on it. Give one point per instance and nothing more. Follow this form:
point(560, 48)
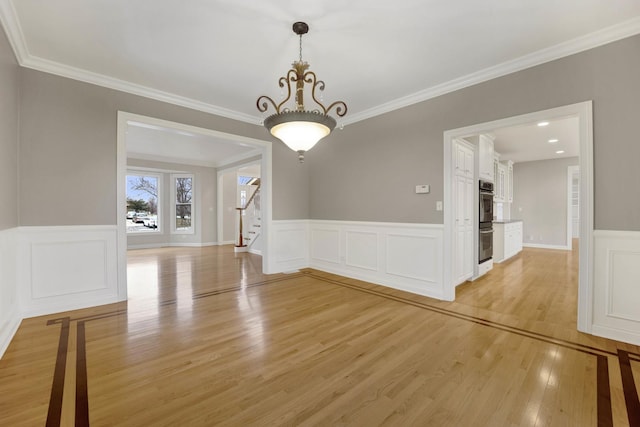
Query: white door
point(575, 204)
point(463, 198)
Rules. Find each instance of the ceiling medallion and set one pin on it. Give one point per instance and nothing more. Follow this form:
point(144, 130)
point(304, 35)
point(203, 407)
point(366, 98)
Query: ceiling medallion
point(298, 128)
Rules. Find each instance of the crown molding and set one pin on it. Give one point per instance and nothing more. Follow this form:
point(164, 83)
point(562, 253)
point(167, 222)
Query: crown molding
point(577, 45)
point(62, 70)
point(13, 30)
point(11, 24)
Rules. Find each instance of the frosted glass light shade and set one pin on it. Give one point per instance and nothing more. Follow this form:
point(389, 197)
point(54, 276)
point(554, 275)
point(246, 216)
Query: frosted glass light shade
point(300, 136)
point(300, 130)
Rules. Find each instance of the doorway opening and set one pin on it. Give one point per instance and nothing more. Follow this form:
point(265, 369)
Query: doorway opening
point(583, 113)
point(154, 148)
point(240, 198)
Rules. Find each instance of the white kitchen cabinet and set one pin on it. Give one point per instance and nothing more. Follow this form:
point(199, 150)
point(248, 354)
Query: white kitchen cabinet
point(501, 183)
point(464, 160)
point(510, 181)
point(464, 191)
point(503, 187)
point(485, 158)
point(507, 240)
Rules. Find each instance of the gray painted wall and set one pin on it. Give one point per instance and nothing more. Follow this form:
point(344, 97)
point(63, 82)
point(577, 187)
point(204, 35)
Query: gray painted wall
point(68, 148)
point(9, 107)
point(205, 183)
point(368, 171)
point(540, 199)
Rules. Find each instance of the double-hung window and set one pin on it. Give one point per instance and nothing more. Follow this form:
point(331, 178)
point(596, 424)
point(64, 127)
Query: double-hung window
point(182, 195)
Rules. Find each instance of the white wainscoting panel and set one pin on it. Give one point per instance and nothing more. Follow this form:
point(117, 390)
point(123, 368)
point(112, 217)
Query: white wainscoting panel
point(414, 257)
point(290, 245)
point(10, 316)
point(400, 256)
point(616, 285)
point(361, 249)
point(66, 268)
point(325, 245)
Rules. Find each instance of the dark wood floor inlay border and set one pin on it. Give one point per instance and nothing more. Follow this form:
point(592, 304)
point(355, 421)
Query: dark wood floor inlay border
point(629, 388)
point(605, 414)
point(603, 388)
point(604, 409)
point(54, 413)
point(82, 397)
point(474, 319)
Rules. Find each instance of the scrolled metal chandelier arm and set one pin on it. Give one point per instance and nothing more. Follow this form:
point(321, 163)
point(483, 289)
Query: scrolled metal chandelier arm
point(285, 80)
point(339, 108)
point(262, 105)
point(310, 77)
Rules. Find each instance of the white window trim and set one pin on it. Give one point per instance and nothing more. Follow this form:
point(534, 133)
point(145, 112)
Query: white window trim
point(158, 176)
point(192, 229)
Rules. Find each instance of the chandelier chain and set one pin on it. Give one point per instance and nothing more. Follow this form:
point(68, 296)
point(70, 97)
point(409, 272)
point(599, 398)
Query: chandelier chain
point(300, 47)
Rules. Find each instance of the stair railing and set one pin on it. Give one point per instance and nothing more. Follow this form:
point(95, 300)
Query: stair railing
point(241, 210)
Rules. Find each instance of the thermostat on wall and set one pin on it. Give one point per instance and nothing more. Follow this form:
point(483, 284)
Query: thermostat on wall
point(422, 189)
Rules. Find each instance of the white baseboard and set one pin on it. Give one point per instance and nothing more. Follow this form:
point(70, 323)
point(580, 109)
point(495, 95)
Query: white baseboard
point(9, 327)
point(543, 246)
point(617, 334)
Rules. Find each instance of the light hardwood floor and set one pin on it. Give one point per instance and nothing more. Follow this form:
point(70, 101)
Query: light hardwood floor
point(207, 339)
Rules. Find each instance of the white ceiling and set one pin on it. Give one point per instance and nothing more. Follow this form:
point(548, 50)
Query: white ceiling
point(531, 142)
point(219, 56)
point(150, 142)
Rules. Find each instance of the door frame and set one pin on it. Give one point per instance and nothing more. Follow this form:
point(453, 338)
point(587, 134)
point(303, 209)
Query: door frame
point(571, 170)
point(220, 172)
point(262, 147)
point(584, 112)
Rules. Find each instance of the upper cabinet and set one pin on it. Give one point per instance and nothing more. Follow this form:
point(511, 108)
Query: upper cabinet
point(503, 187)
point(464, 160)
point(485, 158)
point(510, 181)
point(500, 184)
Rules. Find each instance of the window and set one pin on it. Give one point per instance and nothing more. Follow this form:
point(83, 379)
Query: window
point(182, 195)
point(143, 214)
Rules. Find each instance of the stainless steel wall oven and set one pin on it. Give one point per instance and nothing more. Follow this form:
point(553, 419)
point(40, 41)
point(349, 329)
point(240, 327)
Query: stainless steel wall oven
point(485, 237)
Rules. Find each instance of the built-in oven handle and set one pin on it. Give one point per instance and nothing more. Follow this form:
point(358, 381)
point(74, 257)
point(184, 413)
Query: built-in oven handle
point(486, 231)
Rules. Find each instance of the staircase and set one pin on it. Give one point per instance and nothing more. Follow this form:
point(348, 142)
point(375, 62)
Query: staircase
point(249, 224)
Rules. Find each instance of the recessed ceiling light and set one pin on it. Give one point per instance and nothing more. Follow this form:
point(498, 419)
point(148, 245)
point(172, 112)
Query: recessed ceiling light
point(553, 141)
point(541, 124)
point(560, 152)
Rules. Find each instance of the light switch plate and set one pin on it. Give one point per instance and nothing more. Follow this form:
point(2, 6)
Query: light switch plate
point(439, 205)
point(422, 189)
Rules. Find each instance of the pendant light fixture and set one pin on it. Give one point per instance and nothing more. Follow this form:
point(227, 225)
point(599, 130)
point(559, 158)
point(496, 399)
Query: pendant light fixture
point(300, 129)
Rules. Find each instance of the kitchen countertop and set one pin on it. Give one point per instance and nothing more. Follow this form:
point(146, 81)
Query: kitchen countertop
point(507, 221)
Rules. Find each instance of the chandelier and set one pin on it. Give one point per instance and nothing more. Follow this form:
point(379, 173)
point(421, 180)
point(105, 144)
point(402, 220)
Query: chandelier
point(300, 129)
